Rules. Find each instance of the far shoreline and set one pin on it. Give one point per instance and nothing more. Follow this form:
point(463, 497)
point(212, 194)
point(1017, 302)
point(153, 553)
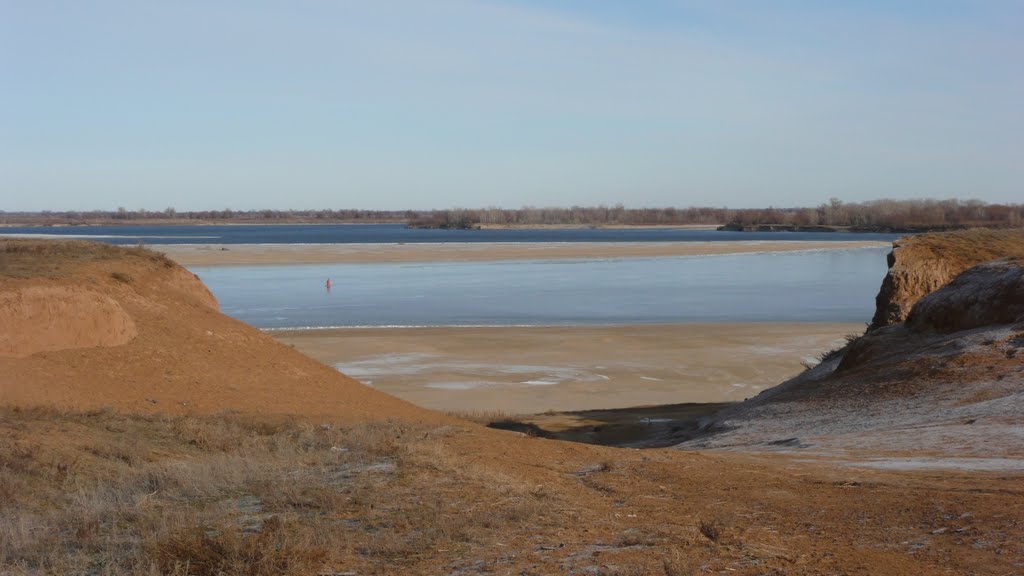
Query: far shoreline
point(196, 222)
point(280, 254)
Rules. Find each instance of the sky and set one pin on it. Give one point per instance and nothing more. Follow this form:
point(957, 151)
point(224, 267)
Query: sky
point(396, 104)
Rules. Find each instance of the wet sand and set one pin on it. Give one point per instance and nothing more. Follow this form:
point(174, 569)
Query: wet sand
point(257, 254)
point(527, 370)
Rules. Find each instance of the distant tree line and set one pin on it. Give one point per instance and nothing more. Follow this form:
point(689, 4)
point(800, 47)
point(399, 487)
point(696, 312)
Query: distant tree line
point(171, 215)
point(876, 214)
point(896, 214)
point(883, 214)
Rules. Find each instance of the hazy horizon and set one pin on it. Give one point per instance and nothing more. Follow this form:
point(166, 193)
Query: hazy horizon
point(468, 103)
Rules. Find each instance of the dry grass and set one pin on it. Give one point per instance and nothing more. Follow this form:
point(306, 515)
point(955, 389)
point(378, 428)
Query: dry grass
point(101, 493)
point(121, 277)
point(484, 417)
point(21, 258)
point(833, 353)
point(965, 248)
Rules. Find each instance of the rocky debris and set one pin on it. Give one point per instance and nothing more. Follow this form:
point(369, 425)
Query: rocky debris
point(991, 293)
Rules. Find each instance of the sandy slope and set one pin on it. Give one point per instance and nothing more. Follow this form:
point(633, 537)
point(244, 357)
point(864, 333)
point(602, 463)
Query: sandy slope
point(185, 356)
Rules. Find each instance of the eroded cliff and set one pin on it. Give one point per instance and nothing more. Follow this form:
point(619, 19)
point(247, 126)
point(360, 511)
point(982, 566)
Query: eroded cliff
point(919, 265)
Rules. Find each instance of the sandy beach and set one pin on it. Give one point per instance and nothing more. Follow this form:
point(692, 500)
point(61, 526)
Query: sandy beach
point(536, 369)
point(257, 254)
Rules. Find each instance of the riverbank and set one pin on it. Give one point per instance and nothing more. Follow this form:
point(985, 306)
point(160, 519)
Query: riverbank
point(259, 254)
point(525, 370)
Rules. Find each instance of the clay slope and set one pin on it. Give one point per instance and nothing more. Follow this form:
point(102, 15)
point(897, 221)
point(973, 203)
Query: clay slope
point(42, 318)
point(86, 326)
point(947, 382)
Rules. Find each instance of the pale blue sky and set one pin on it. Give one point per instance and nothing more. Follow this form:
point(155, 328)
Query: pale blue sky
point(390, 104)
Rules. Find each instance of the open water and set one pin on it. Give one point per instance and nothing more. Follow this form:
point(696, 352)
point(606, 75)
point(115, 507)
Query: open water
point(805, 286)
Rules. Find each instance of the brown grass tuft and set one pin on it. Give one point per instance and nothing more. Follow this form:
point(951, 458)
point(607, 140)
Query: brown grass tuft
point(711, 529)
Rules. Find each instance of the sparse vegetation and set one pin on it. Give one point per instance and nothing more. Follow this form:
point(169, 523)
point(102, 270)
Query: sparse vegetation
point(833, 353)
point(103, 493)
point(963, 249)
point(47, 258)
point(484, 417)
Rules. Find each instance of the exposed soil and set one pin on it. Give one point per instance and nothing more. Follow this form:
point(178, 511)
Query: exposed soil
point(41, 318)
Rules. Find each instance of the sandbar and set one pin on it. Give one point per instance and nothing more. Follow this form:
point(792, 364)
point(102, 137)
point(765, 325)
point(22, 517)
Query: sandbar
point(269, 254)
point(528, 370)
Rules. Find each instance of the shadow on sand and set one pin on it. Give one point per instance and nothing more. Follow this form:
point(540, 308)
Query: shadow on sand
point(638, 427)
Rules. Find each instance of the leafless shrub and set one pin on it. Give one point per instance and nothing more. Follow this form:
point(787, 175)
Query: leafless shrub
point(121, 277)
point(833, 353)
point(711, 529)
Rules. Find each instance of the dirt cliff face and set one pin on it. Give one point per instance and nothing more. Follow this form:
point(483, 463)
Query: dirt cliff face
point(919, 265)
point(987, 294)
point(40, 318)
